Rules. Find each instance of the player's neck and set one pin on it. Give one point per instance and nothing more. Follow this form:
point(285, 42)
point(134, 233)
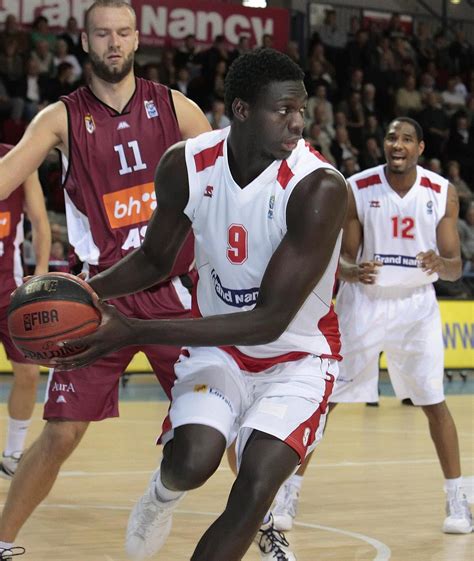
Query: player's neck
point(401, 183)
point(114, 95)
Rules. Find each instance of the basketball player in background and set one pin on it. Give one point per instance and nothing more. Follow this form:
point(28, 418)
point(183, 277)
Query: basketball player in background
point(264, 342)
point(27, 199)
point(111, 136)
point(403, 219)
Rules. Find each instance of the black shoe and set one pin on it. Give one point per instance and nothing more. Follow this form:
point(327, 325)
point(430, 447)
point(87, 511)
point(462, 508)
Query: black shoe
point(372, 404)
point(407, 401)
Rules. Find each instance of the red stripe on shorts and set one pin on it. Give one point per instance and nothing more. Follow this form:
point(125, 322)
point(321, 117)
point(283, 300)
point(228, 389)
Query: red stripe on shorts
point(304, 435)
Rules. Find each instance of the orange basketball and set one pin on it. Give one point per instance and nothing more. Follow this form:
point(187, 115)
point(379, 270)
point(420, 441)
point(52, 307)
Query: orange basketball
point(49, 309)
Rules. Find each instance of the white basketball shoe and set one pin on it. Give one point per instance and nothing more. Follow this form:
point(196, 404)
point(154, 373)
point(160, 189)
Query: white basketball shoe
point(8, 554)
point(9, 464)
point(285, 506)
point(272, 544)
point(459, 517)
point(149, 523)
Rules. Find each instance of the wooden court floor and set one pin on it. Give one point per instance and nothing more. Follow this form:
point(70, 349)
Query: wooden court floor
point(374, 492)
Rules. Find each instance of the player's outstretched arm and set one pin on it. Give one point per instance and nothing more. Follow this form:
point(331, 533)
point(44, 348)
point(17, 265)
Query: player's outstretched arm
point(447, 263)
point(47, 130)
point(315, 214)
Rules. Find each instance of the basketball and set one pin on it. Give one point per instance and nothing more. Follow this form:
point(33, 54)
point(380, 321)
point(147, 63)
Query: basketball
point(49, 309)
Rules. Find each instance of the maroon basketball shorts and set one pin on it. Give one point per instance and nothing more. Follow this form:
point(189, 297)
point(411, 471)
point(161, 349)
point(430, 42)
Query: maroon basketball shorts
point(92, 393)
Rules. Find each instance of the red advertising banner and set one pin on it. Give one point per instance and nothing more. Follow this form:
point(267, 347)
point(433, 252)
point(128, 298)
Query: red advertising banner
point(169, 21)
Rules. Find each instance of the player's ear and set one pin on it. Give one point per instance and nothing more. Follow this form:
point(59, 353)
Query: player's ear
point(421, 148)
point(137, 39)
point(240, 109)
point(85, 41)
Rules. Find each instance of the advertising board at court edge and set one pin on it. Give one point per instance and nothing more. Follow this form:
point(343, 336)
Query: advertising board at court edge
point(168, 22)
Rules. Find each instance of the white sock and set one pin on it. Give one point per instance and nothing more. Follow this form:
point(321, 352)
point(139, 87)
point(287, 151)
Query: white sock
point(266, 520)
point(16, 435)
point(296, 481)
point(452, 485)
point(5, 545)
point(164, 494)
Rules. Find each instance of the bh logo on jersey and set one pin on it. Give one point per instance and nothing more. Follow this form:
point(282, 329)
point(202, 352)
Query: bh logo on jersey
point(4, 224)
point(130, 206)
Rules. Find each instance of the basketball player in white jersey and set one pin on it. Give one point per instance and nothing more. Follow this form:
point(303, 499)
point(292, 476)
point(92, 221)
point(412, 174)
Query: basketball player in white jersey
point(261, 351)
point(400, 236)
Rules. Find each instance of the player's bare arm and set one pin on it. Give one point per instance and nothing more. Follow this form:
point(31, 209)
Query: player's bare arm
point(47, 130)
point(41, 231)
point(191, 119)
point(448, 262)
point(349, 269)
point(315, 211)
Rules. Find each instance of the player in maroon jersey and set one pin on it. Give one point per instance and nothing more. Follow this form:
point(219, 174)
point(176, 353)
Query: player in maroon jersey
point(111, 136)
point(28, 198)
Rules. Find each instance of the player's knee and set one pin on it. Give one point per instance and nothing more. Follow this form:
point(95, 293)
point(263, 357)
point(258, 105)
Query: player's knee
point(60, 438)
point(259, 488)
point(26, 375)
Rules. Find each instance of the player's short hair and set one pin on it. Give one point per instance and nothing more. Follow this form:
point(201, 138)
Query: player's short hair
point(415, 124)
point(253, 71)
point(107, 4)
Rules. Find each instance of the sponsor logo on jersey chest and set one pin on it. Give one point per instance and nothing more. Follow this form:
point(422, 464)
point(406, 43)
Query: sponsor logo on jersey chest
point(5, 222)
point(130, 206)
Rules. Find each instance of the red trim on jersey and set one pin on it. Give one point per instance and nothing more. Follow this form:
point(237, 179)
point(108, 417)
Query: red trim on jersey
point(316, 153)
point(329, 327)
point(426, 182)
point(368, 181)
point(253, 364)
point(285, 174)
point(296, 439)
point(207, 158)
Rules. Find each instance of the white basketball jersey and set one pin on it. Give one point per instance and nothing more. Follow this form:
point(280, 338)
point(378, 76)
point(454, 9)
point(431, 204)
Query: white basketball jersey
point(397, 228)
point(238, 230)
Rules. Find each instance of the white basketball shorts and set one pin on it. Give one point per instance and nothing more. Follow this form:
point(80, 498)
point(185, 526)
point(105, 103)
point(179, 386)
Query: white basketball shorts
point(406, 325)
point(288, 400)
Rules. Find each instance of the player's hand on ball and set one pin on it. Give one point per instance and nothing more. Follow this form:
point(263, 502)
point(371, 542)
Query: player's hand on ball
point(367, 271)
point(113, 333)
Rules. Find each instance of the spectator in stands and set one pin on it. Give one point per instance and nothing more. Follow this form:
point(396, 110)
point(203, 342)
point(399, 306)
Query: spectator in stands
point(461, 146)
point(341, 146)
point(369, 105)
point(325, 109)
point(188, 55)
point(453, 97)
point(360, 53)
point(85, 78)
point(33, 89)
point(372, 154)
point(395, 27)
point(12, 31)
point(355, 84)
point(216, 116)
point(167, 67)
point(151, 72)
point(218, 80)
point(63, 55)
point(461, 52)
point(293, 51)
point(435, 124)
point(427, 85)
point(319, 140)
point(318, 52)
point(57, 259)
point(40, 32)
point(11, 65)
point(243, 46)
point(355, 118)
point(61, 84)
point(315, 76)
point(44, 57)
point(332, 37)
point(408, 99)
point(423, 43)
point(374, 130)
point(267, 41)
point(454, 176)
point(10, 107)
point(349, 166)
point(182, 81)
point(72, 36)
point(434, 165)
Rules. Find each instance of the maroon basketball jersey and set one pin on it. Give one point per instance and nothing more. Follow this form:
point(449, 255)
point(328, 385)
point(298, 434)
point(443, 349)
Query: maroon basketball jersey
point(109, 178)
point(11, 238)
